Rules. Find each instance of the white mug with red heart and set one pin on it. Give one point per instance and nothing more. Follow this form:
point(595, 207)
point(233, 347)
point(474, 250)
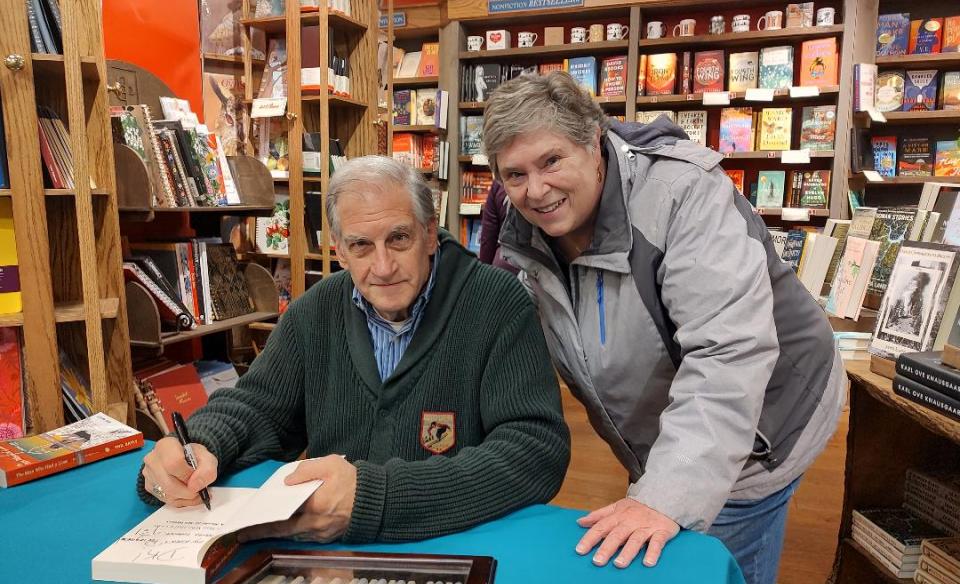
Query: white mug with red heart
point(498, 40)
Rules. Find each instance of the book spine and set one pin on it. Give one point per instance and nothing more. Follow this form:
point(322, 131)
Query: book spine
point(40, 469)
point(36, 39)
point(108, 449)
point(938, 378)
point(926, 396)
point(857, 103)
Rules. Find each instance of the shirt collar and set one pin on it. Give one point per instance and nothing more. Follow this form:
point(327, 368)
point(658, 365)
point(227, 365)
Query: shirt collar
point(418, 306)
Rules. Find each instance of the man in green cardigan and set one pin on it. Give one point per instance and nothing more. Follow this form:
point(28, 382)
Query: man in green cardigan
point(417, 381)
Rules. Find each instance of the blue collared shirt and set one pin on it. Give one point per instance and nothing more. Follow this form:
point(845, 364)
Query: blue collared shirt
point(389, 344)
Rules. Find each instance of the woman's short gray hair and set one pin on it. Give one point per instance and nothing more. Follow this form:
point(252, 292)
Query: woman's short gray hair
point(533, 102)
point(373, 173)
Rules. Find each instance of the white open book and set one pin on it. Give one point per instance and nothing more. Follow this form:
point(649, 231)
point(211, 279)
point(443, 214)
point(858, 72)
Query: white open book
point(169, 546)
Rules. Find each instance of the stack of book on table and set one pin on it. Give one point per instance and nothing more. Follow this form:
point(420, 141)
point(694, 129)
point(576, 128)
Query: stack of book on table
point(893, 538)
point(934, 496)
point(939, 561)
point(924, 379)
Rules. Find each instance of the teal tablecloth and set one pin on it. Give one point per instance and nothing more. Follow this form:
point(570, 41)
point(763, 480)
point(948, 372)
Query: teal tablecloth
point(53, 527)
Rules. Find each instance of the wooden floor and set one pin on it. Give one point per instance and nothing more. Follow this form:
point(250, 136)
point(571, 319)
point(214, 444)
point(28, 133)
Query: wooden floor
point(595, 478)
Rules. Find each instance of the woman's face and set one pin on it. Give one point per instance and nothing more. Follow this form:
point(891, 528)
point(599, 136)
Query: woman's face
point(552, 181)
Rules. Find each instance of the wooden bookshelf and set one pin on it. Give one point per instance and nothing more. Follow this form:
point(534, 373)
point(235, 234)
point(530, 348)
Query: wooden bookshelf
point(929, 117)
point(207, 329)
point(230, 60)
point(887, 435)
point(566, 50)
point(735, 39)
point(413, 82)
point(349, 118)
point(773, 212)
point(892, 181)
point(934, 61)
point(773, 154)
point(423, 129)
point(70, 267)
point(226, 210)
point(780, 96)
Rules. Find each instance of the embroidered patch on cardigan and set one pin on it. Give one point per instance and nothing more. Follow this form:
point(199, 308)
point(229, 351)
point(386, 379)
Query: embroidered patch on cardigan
point(437, 431)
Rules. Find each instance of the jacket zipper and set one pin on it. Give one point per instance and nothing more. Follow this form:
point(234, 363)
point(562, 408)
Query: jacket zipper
point(601, 308)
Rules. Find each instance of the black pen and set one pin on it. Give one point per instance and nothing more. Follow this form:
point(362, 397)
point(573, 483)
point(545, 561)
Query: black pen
point(181, 428)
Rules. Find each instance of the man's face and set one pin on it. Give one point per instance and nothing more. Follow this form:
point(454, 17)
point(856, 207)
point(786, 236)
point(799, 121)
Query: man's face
point(384, 247)
point(552, 181)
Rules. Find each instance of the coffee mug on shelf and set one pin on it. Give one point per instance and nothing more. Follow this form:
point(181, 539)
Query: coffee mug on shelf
point(741, 23)
point(826, 16)
point(617, 31)
point(578, 34)
point(474, 43)
point(655, 29)
point(526, 39)
point(717, 25)
point(772, 20)
point(596, 33)
point(685, 28)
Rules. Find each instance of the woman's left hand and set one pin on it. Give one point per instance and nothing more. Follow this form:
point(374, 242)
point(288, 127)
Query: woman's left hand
point(628, 524)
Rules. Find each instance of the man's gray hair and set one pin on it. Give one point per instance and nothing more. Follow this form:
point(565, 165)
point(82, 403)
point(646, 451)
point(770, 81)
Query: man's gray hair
point(374, 174)
point(552, 102)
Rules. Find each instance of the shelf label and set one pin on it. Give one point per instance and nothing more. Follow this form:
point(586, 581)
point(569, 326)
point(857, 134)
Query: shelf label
point(876, 115)
point(268, 107)
point(804, 91)
point(756, 94)
point(795, 156)
point(480, 160)
point(794, 214)
point(399, 20)
point(872, 176)
point(716, 98)
point(470, 208)
point(517, 5)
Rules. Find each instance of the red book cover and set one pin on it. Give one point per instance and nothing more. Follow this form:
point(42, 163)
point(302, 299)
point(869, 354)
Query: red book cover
point(737, 177)
point(613, 77)
point(926, 36)
point(951, 35)
point(86, 441)
point(661, 74)
point(11, 389)
point(708, 71)
point(178, 390)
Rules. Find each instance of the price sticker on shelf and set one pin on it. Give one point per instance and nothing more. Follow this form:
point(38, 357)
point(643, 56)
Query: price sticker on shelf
point(716, 98)
point(872, 176)
point(793, 214)
point(795, 156)
point(757, 94)
point(470, 208)
point(876, 115)
point(268, 107)
point(480, 160)
point(804, 91)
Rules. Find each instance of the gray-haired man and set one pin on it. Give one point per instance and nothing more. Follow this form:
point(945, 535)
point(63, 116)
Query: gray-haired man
point(446, 417)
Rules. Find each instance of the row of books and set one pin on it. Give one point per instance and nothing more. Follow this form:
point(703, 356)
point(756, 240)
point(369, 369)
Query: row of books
point(427, 106)
point(265, 8)
point(745, 129)
point(853, 346)
point(185, 165)
point(55, 150)
point(11, 300)
point(475, 185)
point(163, 386)
point(896, 90)
point(898, 35)
point(768, 68)
point(925, 379)
point(193, 282)
point(478, 80)
point(915, 156)
point(809, 189)
point(919, 539)
point(421, 151)
point(46, 26)
point(422, 63)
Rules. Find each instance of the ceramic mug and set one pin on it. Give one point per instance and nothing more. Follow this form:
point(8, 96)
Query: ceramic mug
point(578, 34)
point(596, 33)
point(474, 43)
point(617, 31)
point(685, 28)
point(655, 29)
point(526, 39)
point(826, 16)
point(772, 20)
point(741, 23)
point(718, 25)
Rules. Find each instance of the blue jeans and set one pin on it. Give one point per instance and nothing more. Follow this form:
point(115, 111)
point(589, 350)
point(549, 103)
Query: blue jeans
point(753, 532)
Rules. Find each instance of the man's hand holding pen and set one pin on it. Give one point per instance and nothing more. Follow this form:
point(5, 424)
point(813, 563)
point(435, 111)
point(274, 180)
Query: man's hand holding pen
point(169, 477)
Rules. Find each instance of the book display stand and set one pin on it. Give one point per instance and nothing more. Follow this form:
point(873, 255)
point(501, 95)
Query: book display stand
point(69, 242)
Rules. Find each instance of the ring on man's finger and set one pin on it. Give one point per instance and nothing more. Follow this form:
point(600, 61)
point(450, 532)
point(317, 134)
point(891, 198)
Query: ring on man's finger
point(158, 492)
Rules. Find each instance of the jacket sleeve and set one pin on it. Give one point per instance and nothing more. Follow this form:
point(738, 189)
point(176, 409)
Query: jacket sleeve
point(717, 291)
point(522, 459)
point(262, 417)
point(490, 223)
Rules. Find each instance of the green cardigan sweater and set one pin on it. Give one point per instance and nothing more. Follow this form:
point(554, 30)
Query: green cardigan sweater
point(479, 353)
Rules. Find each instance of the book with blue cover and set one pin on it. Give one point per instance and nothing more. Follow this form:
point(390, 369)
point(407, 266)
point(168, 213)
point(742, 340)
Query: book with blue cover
point(920, 90)
point(893, 34)
point(776, 67)
point(584, 71)
point(885, 155)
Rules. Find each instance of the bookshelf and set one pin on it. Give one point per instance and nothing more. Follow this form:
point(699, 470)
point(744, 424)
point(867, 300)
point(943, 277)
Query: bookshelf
point(351, 119)
point(469, 18)
point(887, 435)
point(71, 281)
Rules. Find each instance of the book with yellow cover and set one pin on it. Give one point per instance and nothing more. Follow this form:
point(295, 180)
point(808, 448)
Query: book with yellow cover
point(661, 74)
point(10, 299)
point(774, 128)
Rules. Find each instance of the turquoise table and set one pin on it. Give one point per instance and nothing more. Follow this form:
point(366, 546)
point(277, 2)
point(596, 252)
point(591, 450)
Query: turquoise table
point(53, 527)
